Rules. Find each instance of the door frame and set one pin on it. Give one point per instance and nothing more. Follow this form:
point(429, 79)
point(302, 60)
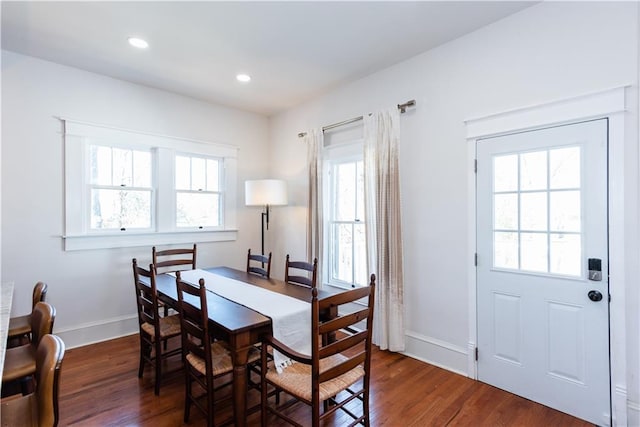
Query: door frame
point(604, 104)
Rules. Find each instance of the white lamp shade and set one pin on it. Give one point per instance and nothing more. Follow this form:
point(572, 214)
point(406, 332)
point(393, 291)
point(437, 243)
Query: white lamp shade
point(262, 192)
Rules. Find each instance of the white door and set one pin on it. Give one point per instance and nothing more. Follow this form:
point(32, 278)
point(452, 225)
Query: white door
point(543, 315)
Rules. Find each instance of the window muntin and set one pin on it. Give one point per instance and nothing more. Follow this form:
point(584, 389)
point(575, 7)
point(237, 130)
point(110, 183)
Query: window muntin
point(120, 188)
point(537, 211)
point(346, 224)
point(198, 195)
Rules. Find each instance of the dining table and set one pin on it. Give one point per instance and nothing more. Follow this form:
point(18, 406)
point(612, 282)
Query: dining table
point(240, 326)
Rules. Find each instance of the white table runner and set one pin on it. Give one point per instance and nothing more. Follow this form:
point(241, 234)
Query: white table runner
point(290, 317)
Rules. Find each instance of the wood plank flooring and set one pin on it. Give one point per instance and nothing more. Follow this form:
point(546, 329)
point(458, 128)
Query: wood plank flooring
point(100, 387)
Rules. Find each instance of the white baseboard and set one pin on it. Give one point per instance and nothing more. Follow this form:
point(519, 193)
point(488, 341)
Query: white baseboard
point(436, 352)
point(93, 332)
point(633, 413)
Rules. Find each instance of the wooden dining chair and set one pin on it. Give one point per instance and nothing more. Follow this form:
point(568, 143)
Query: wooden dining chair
point(20, 362)
point(264, 267)
point(172, 260)
point(336, 372)
point(205, 358)
point(154, 330)
point(39, 408)
point(20, 327)
point(297, 278)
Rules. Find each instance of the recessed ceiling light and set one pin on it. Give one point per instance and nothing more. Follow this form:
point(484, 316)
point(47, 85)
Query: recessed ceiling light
point(244, 78)
point(137, 42)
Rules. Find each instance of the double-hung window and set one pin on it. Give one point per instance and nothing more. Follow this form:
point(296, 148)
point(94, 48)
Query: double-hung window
point(345, 228)
point(124, 188)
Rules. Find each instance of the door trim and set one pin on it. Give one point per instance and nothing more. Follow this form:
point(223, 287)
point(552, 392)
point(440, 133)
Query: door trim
point(602, 104)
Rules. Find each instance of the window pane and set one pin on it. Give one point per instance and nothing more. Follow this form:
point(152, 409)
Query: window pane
point(505, 214)
point(566, 253)
point(533, 256)
point(565, 168)
point(213, 175)
point(533, 171)
point(115, 209)
point(505, 247)
point(183, 173)
point(565, 211)
point(505, 173)
point(533, 211)
point(360, 255)
point(122, 167)
point(197, 210)
point(360, 191)
point(198, 174)
point(345, 191)
point(100, 165)
point(141, 169)
point(343, 250)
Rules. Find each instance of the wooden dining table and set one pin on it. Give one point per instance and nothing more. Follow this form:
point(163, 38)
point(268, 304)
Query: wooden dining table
point(240, 326)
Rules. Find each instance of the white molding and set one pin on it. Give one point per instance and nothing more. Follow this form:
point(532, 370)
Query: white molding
point(610, 103)
point(442, 354)
point(84, 242)
point(582, 107)
point(94, 332)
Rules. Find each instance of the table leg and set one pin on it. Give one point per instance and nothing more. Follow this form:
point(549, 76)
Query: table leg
point(240, 356)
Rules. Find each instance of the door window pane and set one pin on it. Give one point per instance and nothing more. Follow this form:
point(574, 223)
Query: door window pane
point(506, 211)
point(533, 171)
point(565, 211)
point(564, 164)
point(566, 254)
point(505, 173)
point(533, 211)
point(533, 252)
point(505, 250)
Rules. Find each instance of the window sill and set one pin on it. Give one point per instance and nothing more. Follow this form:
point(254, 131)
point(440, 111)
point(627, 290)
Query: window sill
point(86, 242)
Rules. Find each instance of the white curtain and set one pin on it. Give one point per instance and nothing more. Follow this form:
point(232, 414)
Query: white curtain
point(384, 233)
point(314, 141)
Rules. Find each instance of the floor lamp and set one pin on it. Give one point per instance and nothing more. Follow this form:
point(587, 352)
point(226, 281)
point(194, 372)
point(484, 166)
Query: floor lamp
point(267, 193)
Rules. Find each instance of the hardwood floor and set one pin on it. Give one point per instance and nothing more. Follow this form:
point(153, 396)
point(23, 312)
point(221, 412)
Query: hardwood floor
point(100, 387)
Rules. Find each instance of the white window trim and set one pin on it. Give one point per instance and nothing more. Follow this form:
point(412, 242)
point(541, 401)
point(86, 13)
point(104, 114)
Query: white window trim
point(77, 136)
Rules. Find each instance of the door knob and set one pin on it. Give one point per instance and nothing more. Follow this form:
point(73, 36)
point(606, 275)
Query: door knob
point(594, 296)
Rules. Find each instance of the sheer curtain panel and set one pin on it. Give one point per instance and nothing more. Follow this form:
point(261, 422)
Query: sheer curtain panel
point(314, 140)
point(384, 231)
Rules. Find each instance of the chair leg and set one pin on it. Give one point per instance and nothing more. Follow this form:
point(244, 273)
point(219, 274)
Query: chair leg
point(158, 364)
point(187, 395)
point(143, 349)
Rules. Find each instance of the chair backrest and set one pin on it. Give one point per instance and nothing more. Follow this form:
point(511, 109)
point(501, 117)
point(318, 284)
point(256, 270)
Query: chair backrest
point(194, 320)
point(42, 318)
point(39, 293)
point(297, 278)
point(353, 344)
point(262, 270)
point(171, 260)
point(146, 296)
point(48, 362)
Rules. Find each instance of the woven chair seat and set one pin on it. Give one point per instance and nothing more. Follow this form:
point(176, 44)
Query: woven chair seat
point(169, 327)
point(296, 379)
point(19, 362)
point(222, 363)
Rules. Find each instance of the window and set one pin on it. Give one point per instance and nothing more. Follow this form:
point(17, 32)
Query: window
point(121, 192)
point(125, 188)
point(198, 196)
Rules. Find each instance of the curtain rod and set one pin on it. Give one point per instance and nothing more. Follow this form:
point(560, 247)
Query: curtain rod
point(401, 107)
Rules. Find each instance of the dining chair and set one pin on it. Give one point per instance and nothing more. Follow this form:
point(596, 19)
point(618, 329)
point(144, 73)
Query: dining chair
point(20, 362)
point(41, 407)
point(172, 260)
point(298, 278)
point(260, 269)
point(205, 359)
point(20, 326)
point(337, 372)
point(154, 330)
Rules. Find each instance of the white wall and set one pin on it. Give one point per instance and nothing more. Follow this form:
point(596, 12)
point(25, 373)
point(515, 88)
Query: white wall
point(93, 290)
point(548, 52)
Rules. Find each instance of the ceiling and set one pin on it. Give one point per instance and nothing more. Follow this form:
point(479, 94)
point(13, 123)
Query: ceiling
point(294, 51)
